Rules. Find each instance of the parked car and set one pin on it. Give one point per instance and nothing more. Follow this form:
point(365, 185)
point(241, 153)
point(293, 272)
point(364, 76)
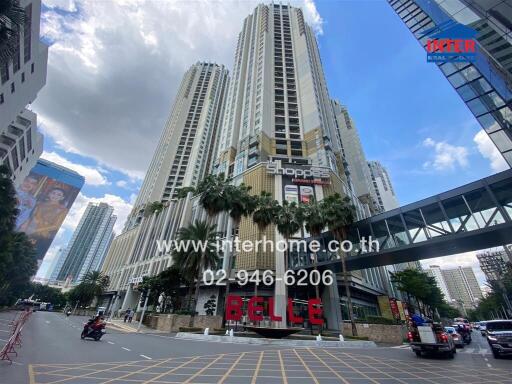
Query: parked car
point(483, 327)
point(457, 338)
point(499, 336)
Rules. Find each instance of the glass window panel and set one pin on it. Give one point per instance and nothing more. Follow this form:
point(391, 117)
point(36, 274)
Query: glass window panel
point(452, 7)
point(504, 117)
point(481, 205)
point(501, 140)
point(415, 225)
point(448, 68)
point(436, 223)
point(467, 92)
point(477, 107)
point(492, 100)
point(457, 212)
point(508, 156)
point(489, 123)
point(466, 16)
point(470, 73)
point(397, 230)
point(381, 233)
point(457, 80)
point(503, 192)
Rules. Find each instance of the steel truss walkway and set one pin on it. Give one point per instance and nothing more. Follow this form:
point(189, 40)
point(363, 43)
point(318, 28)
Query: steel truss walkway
point(472, 217)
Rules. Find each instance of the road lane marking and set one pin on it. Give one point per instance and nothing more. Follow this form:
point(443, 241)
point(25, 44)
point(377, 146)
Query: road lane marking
point(489, 365)
point(110, 342)
point(146, 357)
point(226, 375)
point(126, 349)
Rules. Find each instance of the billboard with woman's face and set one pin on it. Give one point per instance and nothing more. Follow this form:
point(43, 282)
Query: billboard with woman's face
point(44, 200)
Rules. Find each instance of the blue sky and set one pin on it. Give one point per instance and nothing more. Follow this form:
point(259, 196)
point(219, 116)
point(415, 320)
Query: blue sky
point(114, 69)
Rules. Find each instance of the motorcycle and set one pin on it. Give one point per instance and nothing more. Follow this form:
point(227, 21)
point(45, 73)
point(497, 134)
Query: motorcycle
point(94, 330)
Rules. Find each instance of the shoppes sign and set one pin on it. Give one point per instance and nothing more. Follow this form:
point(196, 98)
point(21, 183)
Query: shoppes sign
point(275, 168)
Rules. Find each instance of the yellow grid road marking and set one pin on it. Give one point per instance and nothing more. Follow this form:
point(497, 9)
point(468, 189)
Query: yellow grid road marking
point(330, 368)
point(307, 368)
point(258, 365)
point(226, 375)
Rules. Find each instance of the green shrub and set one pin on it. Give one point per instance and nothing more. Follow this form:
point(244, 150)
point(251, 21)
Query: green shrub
point(364, 338)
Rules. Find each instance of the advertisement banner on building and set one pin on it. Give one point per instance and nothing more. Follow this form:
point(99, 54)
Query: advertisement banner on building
point(394, 308)
point(385, 308)
point(44, 199)
point(307, 194)
point(291, 193)
point(401, 310)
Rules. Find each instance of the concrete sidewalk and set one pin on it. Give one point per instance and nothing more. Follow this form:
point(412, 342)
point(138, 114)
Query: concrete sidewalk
point(131, 327)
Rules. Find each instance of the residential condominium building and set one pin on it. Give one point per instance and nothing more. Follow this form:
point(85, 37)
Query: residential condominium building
point(88, 245)
point(21, 78)
point(382, 187)
point(494, 263)
point(462, 286)
point(436, 272)
point(485, 85)
point(279, 123)
point(183, 157)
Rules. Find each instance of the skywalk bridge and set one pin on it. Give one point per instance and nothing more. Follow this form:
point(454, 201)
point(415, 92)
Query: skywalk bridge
point(468, 218)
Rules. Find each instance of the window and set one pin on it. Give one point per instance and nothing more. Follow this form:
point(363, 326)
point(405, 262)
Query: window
point(29, 139)
point(4, 72)
point(14, 158)
point(23, 77)
point(27, 33)
point(13, 88)
point(22, 148)
point(1, 98)
point(32, 68)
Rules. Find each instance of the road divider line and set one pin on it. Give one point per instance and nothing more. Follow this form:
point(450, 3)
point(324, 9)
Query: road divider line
point(110, 342)
point(489, 365)
point(126, 349)
point(146, 357)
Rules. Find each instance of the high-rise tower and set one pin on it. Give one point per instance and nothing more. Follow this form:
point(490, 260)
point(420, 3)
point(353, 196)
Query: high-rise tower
point(184, 152)
point(89, 243)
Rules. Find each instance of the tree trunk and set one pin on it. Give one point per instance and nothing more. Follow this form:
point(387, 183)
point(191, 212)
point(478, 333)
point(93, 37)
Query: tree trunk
point(198, 283)
point(347, 288)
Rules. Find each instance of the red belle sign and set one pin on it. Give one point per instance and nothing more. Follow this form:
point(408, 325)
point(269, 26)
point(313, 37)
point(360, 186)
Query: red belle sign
point(255, 310)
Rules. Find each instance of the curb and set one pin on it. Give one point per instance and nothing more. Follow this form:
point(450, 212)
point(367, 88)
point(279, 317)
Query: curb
point(282, 342)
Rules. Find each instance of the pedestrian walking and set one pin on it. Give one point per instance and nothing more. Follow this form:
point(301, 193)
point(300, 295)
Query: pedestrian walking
point(130, 315)
point(127, 314)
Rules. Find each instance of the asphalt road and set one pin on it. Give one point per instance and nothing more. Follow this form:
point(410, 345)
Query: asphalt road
point(53, 352)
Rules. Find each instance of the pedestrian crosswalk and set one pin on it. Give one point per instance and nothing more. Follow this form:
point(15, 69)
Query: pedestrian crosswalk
point(475, 351)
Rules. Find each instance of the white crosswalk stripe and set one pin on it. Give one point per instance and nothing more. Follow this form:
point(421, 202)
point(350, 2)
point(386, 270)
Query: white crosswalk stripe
point(405, 346)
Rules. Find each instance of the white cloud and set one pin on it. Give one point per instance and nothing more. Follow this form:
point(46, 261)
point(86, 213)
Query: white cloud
point(92, 176)
point(122, 183)
point(115, 66)
point(445, 156)
point(490, 152)
point(467, 259)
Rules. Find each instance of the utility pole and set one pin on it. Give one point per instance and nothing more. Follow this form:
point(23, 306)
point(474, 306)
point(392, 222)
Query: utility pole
point(143, 310)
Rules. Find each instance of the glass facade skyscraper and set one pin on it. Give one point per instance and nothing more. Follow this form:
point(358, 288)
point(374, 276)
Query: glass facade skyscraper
point(485, 85)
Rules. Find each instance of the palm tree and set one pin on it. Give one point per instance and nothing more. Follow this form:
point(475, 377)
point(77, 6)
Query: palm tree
point(339, 214)
point(314, 221)
point(96, 281)
point(263, 215)
point(201, 252)
point(213, 195)
point(288, 221)
point(12, 19)
point(240, 203)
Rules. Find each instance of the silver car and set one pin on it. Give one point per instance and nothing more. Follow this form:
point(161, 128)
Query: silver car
point(457, 338)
